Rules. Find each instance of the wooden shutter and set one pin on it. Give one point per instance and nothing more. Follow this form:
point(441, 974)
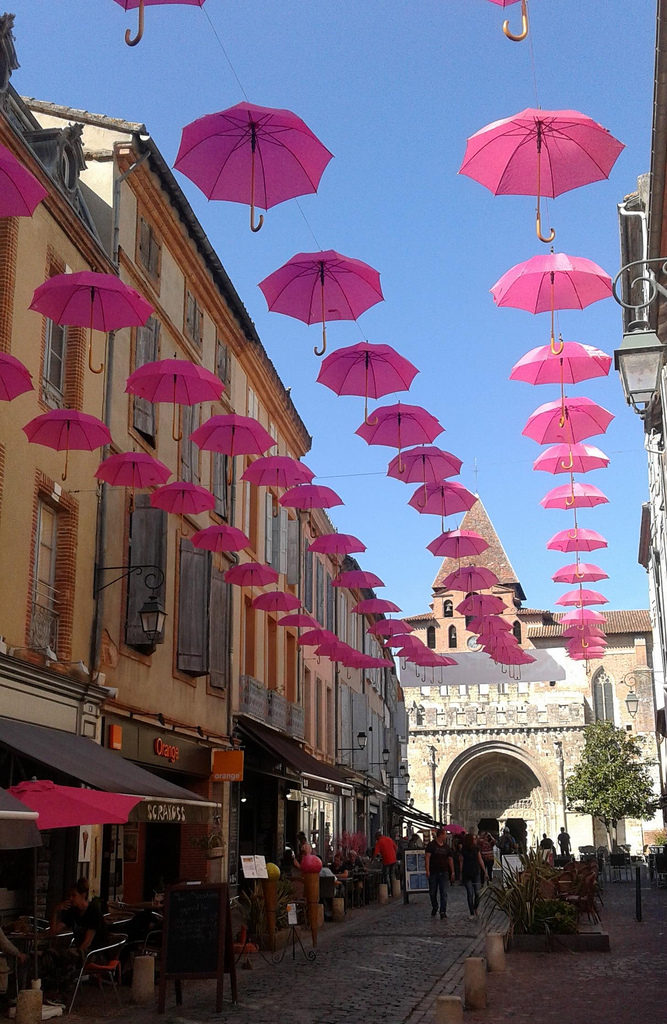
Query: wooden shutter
point(220, 631)
point(275, 543)
point(268, 528)
point(193, 611)
point(148, 546)
point(330, 604)
point(223, 363)
point(308, 580)
point(320, 592)
point(282, 544)
point(219, 484)
point(189, 450)
point(293, 551)
point(146, 351)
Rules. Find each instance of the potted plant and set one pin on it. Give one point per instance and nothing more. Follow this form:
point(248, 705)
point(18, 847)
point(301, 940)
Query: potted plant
point(213, 844)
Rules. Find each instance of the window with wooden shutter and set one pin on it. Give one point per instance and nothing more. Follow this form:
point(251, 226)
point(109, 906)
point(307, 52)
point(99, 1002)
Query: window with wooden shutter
point(55, 355)
point(193, 609)
point(223, 363)
point(308, 581)
point(268, 528)
point(330, 604)
point(276, 522)
point(148, 546)
point(146, 343)
point(219, 485)
point(283, 518)
point(189, 450)
point(194, 319)
point(292, 551)
point(220, 631)
point(149, 250)
point(320, 592)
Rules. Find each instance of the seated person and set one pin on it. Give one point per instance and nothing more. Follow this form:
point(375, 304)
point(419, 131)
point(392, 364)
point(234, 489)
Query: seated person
point(84, 919)
point(338, 866)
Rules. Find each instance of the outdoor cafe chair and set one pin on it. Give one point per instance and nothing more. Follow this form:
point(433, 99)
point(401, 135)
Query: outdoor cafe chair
point(105, 969)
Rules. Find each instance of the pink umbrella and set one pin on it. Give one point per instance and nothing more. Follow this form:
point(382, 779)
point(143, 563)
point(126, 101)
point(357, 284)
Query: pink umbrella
point(177, 381)
point(183, 498)
point(576, 540)
point(276, 601)
point(100, 302)
point(375, 606)
point(574, 495)
point(424, 464)
point(67, 430)
point(131, 5)
point(458, 544)
point(317, 636)
point(20, 192)
point(453, 828)
point(298, 619)
point(540, 153)
point(515, 37)
point(581, 615)
point(443, 499)
point(357, 579)
point(137, 470)
point(219, 153)
point(335, 650)
point(336, 544)
point(573, 363)
point(567, 421)
point(398, 426)
point(580, 597)
point(221, 537)
point(571, 458)
point(389, 627)
point(70, 806)
point(318, 286)
point(579, 572)
point(232, 435)
point(368, 661)
point(15, 378)
point(251, 574)
point(481, 604)
point(309, 496)
point(468, 578)
point(489, 624)
point(586, 630)
point(277, 471)
point(368, 370)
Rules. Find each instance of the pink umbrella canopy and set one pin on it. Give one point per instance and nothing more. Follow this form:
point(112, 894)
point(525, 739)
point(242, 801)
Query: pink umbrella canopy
point(582, 615)
point(573, 363)
point(174, 380)
point(259, 156)
point(552, 281)
point(220, 537)
point(182, 498)
point(400, 426)
point(453, 828)
point(317, 636)
point(70, 806)
point(468, 578)
point(357, 579)
point(137, 470)
point(477, 605)
point(458, 544)
point(567, 421)
point(489, 624)
point(579, 572)
point(67, 430)
point(571, 458)
point(131, 5)
point(277, 471)
point(20, 192)
point(15, 378)
point(443, 499)
point(577, 539)
point(574, 495)
point(540, 153)
point(375, 606)
point(424, 464)
point(309, 496)
point(336, 544)
point(586, 630)
point(232, 435)
point(251, 574)
point(317, 287)
point(580, 597)
point(367, 370)
point(334, 650)
point(276, 601)
point(298, 619)
point(389, 627)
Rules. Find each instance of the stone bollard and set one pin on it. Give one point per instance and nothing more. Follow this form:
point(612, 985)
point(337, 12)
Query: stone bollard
point(383, 894)
point(29, 1004)
point(448, 1010)
point(495, 951)
point(474, 983)
point(395, 887)
point(143, 980)
point(338, 908)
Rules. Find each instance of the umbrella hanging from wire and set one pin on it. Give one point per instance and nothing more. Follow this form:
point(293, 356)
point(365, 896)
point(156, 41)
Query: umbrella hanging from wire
point(219, 538)
point(516, 37)
point(469, 578)
point(367, 370)
point(251, 574)
point(572, 363)
point(400, 426)
point(317, 287)
point(577, 539)
point(579, 572)
point(231, 434)
point(358, 579)
point(277, 471)
point(580, 597)
point(131, 5)
point(477, 605)
point(20, 191)
point(574, 495)
point(136, 470)
point(424, 464)
point(67, 430)
point(458, 544)
point(15, 378)
point(254, 155)
point(374, 606)
point(177, 381)
point(567, 421)
point(571, 458)
point(182, 498)
point(276, 601)
point(336, 544)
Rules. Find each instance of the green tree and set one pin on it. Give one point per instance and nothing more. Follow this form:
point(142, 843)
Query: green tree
point(612, 780)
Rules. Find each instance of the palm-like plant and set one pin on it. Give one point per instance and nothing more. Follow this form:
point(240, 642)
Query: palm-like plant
point(518, 895)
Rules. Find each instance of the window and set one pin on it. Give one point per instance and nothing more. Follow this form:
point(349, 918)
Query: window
point(419, 717)
point(425, 691)
point(319, 710)
point(220, 486)
point(523, 687)
point(503, 687)
point(451, 637)
point(331, 597)
point(319, 592)
point(44, 615)
point(447, 609)
point(484, 689)
point(444, 691)
point(292, 552)
point(308, 581)
point(193, 609)
point(146, 343)
point(430, 637)
point(516, 629)
point(463, 690)
point(149, 250)
point(441, 719)
point(603, 697)
point(189, 450)
point(223, 363)
point(148, 546)
point(220, 631)
point(194, 319)
point(55, 354)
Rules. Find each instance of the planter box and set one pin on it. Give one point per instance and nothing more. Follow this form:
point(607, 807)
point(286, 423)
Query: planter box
point(584, 942)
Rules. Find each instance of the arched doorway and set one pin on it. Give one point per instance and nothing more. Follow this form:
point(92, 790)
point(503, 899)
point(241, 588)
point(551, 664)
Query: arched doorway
point(498, 782)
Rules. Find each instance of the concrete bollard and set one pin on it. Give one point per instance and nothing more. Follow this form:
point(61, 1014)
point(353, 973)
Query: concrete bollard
point(338, 908)
point(448, 1010)
point(395, 887)
point(383, 895)
point(474, 983)
point(143, 980)
point(495, 951)
point(29, 1004)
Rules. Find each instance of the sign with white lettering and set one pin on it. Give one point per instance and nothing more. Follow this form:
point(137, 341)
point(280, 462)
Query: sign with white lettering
point(227, 766)
point(254, 866)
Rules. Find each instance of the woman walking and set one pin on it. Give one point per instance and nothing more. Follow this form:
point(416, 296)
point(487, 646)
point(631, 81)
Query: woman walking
point(472, 871)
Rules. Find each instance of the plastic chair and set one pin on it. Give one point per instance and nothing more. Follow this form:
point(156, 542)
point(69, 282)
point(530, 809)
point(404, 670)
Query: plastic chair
point(106, 969)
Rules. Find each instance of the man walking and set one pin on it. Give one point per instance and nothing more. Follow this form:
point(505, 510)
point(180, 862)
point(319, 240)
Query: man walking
point(385, 848)
point(564, 842)
point(439, 870)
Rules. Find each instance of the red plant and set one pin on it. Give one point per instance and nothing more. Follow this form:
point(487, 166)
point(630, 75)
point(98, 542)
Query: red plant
point(356, 841)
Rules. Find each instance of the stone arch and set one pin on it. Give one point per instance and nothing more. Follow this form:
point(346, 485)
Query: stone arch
point(498, 780)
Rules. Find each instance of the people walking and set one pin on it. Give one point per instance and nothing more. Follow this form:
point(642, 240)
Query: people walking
point(548, 848)
point(439, 871)
point(564, 842)
point(472, 871)
point(385, 849)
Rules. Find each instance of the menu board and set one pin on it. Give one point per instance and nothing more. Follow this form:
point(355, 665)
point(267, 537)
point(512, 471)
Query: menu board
point(415, 871)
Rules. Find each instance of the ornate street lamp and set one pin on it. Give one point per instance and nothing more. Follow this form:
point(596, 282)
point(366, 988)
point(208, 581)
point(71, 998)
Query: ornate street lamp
point(639, 362)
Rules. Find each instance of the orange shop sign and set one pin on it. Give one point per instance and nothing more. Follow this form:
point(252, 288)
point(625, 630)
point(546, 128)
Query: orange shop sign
point(227, 766)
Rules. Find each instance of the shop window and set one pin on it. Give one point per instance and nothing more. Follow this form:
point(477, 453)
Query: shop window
point(451, 636)
point(146, 346)
point(148, 546)
point(430, 637)
point(193, 609)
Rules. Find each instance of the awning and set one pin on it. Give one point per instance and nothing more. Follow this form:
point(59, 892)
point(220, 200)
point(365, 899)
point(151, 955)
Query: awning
point(88, 762)
point(316, 774)
point(413, 814)
point(18, 830)
point(477, 667)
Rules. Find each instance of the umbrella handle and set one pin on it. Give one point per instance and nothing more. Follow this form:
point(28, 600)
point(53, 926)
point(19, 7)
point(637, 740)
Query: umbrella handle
point(63, 476)
point(570, 462)
point(524, 25)
point(253, 226)
point(140, 28)
point(556, 347)
point(90, 356)
point(176, 432)
point(321, 351)
point(538, 227)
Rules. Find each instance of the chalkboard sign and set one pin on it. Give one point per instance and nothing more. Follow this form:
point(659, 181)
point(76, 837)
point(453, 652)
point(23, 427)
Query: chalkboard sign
point(196, 938)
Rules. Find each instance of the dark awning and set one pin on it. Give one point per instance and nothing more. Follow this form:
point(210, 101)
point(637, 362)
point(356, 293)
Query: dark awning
point(413, 814)
point(288, 751)
point(18, 830)
point(87, 762)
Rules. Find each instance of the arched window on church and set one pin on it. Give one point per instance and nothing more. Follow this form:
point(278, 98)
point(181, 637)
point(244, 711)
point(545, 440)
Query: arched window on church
point(516, 629)
point(603, 697)
point(430, 637)
point(452, 636)
point(447, 609)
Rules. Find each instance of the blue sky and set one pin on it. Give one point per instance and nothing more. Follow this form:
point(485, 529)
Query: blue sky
point(393, 89)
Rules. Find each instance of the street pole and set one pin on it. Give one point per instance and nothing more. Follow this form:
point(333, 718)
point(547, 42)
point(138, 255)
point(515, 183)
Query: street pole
point(433, 765)
point(558, 745)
